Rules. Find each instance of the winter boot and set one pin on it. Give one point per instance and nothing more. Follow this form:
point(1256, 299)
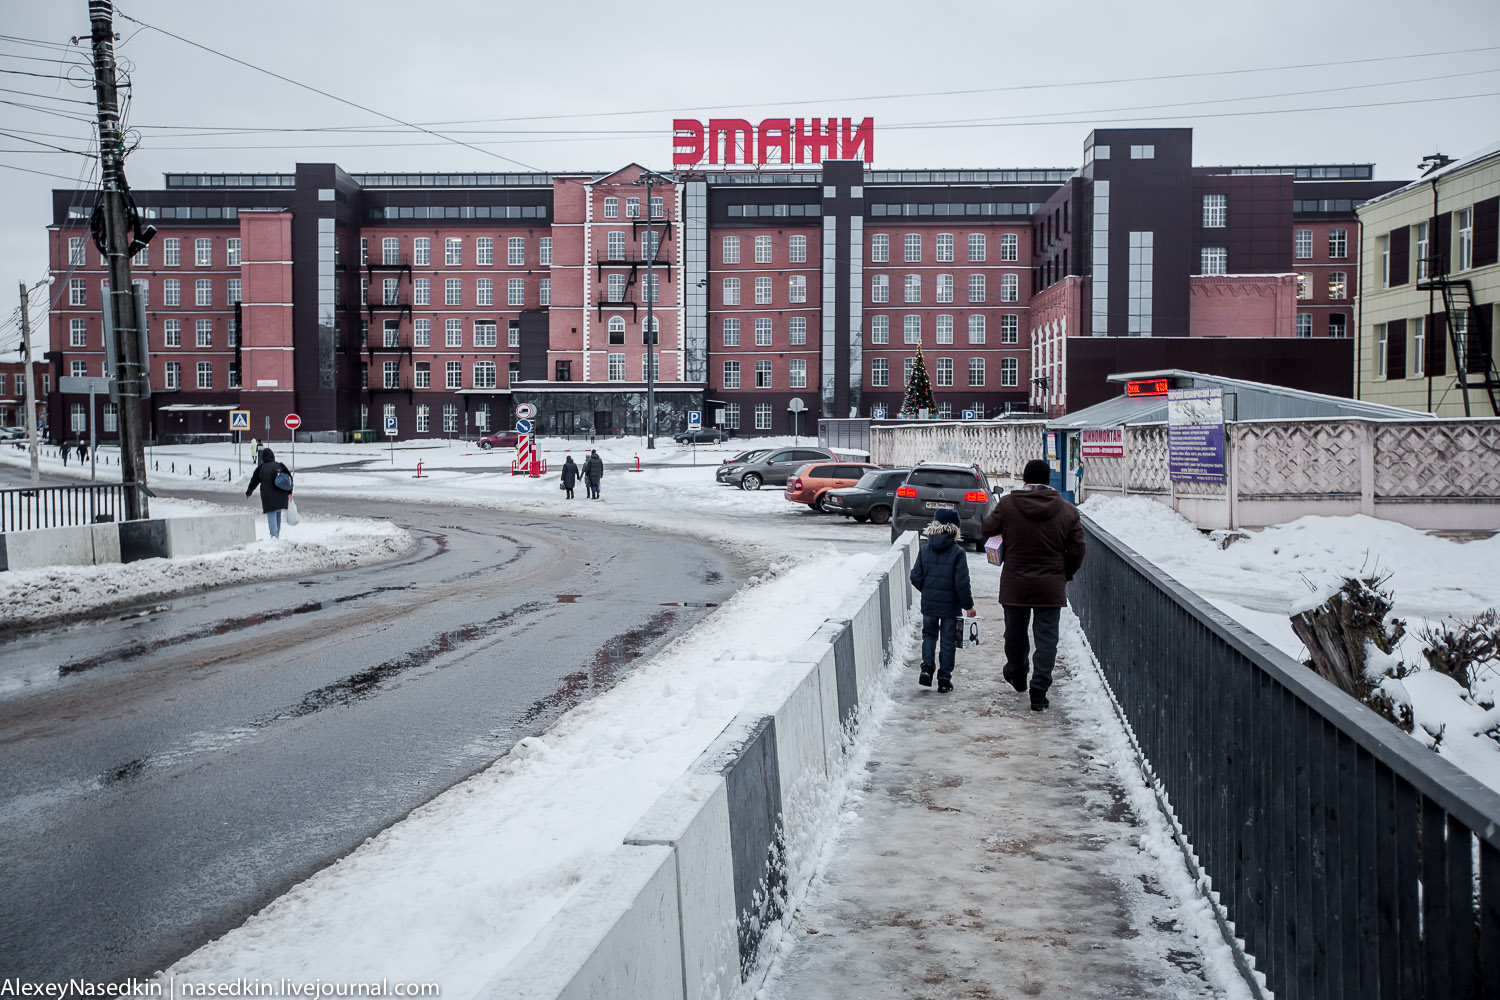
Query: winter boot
point(926, 676)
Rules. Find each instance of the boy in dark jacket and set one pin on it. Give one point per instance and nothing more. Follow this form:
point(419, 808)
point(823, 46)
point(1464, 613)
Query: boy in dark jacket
point(942, 575)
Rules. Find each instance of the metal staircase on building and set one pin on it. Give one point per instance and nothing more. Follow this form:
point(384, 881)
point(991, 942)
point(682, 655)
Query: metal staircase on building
point(1473, 352)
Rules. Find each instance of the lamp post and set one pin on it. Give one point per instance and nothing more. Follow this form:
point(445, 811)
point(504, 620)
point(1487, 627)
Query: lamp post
point(30, 392)
point(648, 179)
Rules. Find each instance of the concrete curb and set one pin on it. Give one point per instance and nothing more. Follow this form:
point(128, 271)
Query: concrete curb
point(125, 541)
point(733, 834)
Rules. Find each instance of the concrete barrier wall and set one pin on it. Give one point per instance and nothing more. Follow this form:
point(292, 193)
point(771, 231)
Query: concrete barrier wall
point(742, 826)
point(125, 541)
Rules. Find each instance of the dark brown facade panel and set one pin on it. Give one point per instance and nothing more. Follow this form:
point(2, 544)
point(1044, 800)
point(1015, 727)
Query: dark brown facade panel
point(1486, 231)
point(1400, 255)
point(1395, 349)
point(1437, 344)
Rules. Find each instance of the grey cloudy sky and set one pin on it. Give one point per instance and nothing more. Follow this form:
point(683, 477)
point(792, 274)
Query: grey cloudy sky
point(587, 85)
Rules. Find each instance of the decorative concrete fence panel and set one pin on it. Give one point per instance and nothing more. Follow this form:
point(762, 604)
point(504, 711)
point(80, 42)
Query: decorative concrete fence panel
point(1002, 449)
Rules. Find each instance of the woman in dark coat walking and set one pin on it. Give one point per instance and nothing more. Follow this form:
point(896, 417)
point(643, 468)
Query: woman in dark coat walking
point(569, 475)
point(273, 499)
point(593, 471)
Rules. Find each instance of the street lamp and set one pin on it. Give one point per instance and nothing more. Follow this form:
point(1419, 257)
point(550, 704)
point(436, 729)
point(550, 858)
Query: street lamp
point(30, 396)
point(648, 178)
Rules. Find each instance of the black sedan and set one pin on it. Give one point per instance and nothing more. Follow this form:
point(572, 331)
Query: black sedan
point(870, 499)
point(700, 436)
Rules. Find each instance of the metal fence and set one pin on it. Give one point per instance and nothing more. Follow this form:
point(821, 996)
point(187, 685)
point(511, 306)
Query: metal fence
point(1352, 861)
point(59, 506)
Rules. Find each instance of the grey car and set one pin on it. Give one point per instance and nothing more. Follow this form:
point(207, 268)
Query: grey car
point(929, 486)
point(775, 467)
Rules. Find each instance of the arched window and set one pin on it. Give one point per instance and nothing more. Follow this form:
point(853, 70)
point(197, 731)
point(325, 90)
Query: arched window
point(617, 330)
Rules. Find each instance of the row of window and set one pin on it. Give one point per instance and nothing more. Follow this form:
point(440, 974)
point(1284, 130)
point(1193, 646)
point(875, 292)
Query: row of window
point(453, 251)
point(1338, 244)
point(171, 291)
point(796, 249)
point(880, 372)
point(1338, 285)
point(458, 212)
point(764, 413)
point(1415, 361)
point(171, 336)
point(1338, 325)
point(453, 292)
point(172, 374)
point(1463, 231)
point(911, 247)
point(880, 288)
point(911, 329)
point(633, 208)
point(171, 252)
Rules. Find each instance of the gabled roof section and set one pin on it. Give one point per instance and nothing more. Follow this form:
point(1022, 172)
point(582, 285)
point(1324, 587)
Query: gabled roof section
point(1474, 159)
point(630, 169)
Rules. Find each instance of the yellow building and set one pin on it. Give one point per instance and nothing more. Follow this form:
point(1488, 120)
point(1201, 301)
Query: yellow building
point(1429, 286)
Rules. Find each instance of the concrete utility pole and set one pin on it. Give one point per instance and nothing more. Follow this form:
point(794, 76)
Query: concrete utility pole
point(128, 372)
point(36, 472)
point(650, 322)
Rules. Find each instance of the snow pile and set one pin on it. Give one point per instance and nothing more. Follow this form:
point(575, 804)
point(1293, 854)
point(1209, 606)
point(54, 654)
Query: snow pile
point(460, 887)
point(1262, 580)
point(317, 545)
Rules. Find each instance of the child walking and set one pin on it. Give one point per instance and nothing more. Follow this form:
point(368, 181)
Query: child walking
point(942, 575)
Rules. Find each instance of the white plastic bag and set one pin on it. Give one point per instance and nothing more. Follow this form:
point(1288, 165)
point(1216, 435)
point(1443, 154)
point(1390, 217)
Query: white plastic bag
point(968, 631)
point(291, 511)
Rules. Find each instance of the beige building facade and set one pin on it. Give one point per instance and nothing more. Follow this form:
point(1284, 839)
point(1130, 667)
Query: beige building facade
point(1429, 288)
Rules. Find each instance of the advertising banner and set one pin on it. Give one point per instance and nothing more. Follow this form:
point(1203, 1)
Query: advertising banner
point(1103, 442)
point(1195, 435)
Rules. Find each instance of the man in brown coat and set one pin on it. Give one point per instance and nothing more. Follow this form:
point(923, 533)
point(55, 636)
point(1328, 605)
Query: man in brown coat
point(1043, 548)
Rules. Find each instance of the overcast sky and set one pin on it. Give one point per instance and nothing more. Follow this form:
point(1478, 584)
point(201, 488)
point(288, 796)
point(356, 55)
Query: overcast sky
point(587, 85)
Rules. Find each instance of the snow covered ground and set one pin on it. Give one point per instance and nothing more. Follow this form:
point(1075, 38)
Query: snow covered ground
point(1258, 581)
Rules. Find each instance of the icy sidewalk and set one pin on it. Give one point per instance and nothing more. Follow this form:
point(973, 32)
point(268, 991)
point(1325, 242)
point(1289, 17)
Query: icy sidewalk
point(995, 852)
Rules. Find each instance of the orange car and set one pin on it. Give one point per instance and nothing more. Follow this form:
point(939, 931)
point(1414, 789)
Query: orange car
point(809, 483)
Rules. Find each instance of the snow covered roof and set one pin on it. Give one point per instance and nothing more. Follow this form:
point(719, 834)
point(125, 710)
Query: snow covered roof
point(1473, 159)
point(1253, 401)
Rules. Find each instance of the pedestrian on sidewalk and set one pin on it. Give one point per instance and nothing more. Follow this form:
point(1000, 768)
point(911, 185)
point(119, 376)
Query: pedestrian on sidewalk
point(569, 475)
point(66, 448)
point(1044, 545)
point(273, 499)
point(942, 575)
point(593, 471)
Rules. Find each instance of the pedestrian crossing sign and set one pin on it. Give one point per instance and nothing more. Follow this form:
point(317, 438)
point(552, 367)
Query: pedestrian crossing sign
point(239, 420)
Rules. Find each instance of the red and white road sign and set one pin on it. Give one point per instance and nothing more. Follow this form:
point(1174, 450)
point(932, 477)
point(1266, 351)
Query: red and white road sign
point(292, 421)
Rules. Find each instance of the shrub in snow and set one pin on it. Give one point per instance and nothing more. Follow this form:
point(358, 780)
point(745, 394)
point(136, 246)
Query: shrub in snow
point(1468, 650)
point(1351, 640)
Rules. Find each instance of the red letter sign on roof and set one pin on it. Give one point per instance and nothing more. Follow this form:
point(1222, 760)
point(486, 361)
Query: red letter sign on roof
point(687, 142)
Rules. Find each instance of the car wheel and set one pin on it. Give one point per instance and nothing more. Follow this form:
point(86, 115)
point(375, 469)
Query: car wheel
point(485, 445)
point(861, 518)
point(751, 481)
point(817, 504)
point(880, 515)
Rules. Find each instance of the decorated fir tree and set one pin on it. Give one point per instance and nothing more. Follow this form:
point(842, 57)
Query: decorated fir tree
point(918, 390)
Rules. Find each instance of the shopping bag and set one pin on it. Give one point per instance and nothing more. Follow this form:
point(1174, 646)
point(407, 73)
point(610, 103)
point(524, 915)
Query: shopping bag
point(291, 512)
point(994, 550)
point(968, 631)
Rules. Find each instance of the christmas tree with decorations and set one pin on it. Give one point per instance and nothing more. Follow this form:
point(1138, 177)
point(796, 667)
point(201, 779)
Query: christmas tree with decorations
point(918, 390)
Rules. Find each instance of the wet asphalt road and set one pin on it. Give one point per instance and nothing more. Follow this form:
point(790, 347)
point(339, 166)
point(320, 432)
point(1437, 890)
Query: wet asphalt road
point(168, 770)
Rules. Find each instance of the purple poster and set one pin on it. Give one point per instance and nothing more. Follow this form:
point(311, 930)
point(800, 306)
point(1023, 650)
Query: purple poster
point(1195, 435)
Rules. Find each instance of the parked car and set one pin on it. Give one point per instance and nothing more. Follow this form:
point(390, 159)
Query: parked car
point(8, 433)
point(810, 483)
point(500, 439)
point(712, 434)
point(931, 485)
point(776, 466)
point(722, 472)
point(870, 499)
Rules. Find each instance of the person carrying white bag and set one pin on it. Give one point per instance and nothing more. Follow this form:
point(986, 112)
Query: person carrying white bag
point(274, 481)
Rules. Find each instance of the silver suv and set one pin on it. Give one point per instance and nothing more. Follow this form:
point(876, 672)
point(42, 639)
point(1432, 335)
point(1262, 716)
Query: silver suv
point(930, 486)
point(775, 467)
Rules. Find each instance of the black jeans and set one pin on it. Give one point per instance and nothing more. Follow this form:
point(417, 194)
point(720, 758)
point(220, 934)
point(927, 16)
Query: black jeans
point(1017, 617)
point(933, 629)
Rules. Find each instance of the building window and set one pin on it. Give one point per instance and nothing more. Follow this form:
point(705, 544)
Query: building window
point(617, 367)
point(762, 416)
point(364, 292)
point(421, 292)
point(614, 245)
point(390, 250)
point(78, 417)
point(976, 328)
point(763, 331)
point(422, 332)
point(453, 333)
point(78, 369)
point(390, 375)
point(913, 248)
point(513, 333)
point(171, 254)
point(976, 246)
point(614, 288)
point(205, 374)
point(1380, 349)
point(453, 252)
point(880, 288)
point(658, 207)
point(1338, 243)
point(762, 291)
point(424, 417)
point(234, 375)
point(484, 291)
point(77, 336)
point(364, 251)
point(762, 374)
point(203, 252)
point(453, 291)
point(797, 330)
point(731, 249)
point(1418, 356)
point(913, 288)
point(423, 379)
point(731, 374)
point(797, 378)
point(653, 288)
point(173, 375)
point(544, 292)
point(203, 333)
point(1010, 329)
point(171, 292)
point(655, 375)
point(172, 333)
point(976, 288)
point(1465, 238)
point(632, 208)
point(1302, 245)
point(1215, 211)
point(911, 326)
point(651, 330)
point(617, 330)
point(1421, 242)
point(453, 373)
point(1010, 372)
point(944, 247)
point(1338, 285)
point(880, 372)
point(484, 251)
point(563, 371)
point(544, 251)
point(1010, 288)
point(796, 288)
point(1010, 247)
point(731, 331)
point(1214, 260)
point(1337, 325)
point(450, 418)
point(75, 251)
point(1147, 152)
point(486, 333)
point(945, 288)
point(611, 208)
point(944, 371)
point(796, 247)
point(233, 296)
point(944, 329)
point(1304, 285)
point(112, 417)
point(515, 292)
point(1304, 325)
point(484, 375)
point(732, 416)
point(762, 249)
point(976, 371)
point(880, 248)
point(515, 251)
point(421, 252)
point(945, 410)
point(389, 293)
point(906, 366)
point(651, 248)
point(731, 291)
point(880, 329)
point(78, 291)
point(142, 257)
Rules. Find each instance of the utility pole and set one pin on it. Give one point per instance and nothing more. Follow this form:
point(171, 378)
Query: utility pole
point(650, 322)
point(116, 249)
point(36, 472)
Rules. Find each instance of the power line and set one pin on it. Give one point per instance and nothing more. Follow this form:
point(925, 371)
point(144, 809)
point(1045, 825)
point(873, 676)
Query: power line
point(47, 111)
point(47, 97)
point(324, 93)
point(60, 149)
point(40, 42)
